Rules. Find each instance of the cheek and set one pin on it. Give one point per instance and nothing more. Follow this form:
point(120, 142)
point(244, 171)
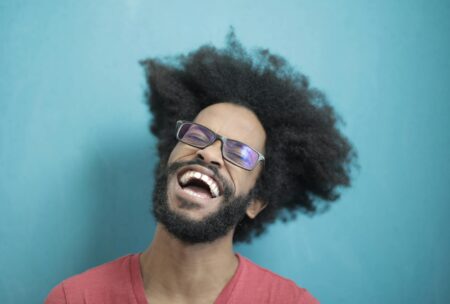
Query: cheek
point(244, 181)
point(180, 151)
point(175, 153)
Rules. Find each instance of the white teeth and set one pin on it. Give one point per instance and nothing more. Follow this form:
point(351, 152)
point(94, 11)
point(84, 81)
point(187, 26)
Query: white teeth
point(187, 176)
point(215, 190)
point(192, 193)
point(184, 179)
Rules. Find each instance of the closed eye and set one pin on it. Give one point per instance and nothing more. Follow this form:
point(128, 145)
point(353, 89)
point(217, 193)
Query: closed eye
point(236, 155)
point(197, 137)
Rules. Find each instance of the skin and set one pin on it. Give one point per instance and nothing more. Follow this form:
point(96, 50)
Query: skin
point(175, 272)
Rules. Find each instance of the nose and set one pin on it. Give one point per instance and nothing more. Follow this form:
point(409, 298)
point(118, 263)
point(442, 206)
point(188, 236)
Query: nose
point(212, 154)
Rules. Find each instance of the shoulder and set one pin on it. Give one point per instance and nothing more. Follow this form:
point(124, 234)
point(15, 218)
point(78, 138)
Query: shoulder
point(100, 279)
point(273, 286)
point(115, 272)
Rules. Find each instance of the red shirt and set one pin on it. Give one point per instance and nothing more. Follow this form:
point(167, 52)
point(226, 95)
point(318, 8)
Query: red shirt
point(120, 282)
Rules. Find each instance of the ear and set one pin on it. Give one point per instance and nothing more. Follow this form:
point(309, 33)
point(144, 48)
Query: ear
point(255, 207)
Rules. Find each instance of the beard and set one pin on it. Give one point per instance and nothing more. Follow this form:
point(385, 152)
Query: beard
point(213, 226)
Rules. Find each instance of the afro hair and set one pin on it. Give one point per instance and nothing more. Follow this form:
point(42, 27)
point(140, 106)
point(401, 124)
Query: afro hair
point(307, 157)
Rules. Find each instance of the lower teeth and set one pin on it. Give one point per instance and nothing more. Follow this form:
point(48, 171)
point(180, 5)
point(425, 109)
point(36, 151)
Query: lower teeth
point(191, 192)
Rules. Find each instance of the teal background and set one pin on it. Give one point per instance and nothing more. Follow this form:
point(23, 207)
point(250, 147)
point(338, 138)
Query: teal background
point(76, 159)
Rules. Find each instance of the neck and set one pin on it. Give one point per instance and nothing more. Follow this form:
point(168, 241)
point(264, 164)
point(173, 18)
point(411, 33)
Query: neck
point(177, 272)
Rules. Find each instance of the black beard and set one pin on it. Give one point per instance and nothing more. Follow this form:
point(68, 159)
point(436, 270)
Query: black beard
point(213, 226)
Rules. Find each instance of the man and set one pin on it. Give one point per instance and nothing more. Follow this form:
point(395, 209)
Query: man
point(242, 140)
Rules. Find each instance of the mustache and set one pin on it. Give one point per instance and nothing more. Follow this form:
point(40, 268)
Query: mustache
point(174, 167)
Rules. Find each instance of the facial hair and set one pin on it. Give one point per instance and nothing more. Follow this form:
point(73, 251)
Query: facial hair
point(212, 227)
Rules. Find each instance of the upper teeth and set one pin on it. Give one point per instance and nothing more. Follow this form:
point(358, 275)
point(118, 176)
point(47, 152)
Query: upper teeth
point(213, 187)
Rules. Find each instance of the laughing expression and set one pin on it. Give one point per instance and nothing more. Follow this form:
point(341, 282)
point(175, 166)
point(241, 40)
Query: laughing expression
point(201, 187)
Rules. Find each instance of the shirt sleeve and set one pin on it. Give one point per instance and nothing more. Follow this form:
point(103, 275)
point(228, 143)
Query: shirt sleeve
point(56, 295)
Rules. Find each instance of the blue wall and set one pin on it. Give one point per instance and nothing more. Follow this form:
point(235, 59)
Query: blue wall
point(76, 159)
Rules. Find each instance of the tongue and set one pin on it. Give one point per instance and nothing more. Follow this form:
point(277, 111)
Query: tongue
point(200, 191)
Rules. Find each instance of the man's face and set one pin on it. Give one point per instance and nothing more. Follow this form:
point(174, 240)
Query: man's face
point(191, 211)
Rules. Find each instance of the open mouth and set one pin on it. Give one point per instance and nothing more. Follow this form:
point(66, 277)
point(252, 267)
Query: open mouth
point(199, 184)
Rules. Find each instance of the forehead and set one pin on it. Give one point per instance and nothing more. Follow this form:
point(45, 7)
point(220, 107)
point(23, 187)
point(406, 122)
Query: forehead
point(234, 122)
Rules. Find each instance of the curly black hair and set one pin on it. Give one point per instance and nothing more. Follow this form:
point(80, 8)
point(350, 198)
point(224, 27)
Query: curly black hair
point(307, 157)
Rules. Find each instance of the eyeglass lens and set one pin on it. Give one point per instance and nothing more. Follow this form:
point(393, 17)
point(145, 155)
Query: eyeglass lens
point(235, 151)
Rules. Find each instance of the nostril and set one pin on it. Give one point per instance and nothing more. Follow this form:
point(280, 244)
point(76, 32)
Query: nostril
point(209, 160)
point(211, 154)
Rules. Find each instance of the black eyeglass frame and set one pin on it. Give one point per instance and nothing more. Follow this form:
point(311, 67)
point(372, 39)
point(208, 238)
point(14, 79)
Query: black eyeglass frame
point(223, 139)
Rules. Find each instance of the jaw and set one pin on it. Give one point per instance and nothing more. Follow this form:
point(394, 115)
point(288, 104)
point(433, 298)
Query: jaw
point(164, 237)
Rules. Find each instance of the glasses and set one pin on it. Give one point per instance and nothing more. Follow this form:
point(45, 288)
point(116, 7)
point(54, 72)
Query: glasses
point(233, 151)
